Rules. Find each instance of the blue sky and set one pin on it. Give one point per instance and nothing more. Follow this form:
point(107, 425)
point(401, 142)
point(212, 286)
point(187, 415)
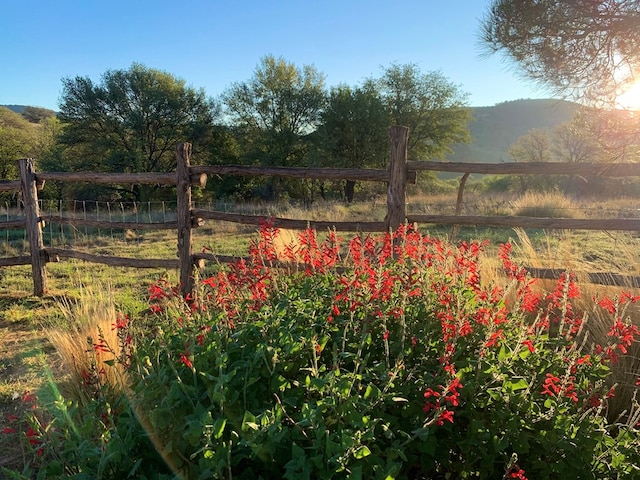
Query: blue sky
point(213, 43)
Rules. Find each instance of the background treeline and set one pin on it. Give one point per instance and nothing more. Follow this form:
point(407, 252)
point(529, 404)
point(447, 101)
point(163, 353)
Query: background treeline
point(284, 115)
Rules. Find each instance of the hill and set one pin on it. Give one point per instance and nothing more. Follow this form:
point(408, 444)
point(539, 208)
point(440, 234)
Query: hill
point(494, 129)
point(15, 108)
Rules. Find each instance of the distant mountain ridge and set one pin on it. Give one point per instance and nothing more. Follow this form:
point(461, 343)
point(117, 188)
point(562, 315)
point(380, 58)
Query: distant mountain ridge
point(494, 129)
point(15, 108)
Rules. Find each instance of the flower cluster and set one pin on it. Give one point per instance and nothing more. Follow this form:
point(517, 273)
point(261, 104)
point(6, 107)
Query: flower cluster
point(396, 323)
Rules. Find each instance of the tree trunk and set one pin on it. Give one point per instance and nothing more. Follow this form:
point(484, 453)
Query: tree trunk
point(349, 190)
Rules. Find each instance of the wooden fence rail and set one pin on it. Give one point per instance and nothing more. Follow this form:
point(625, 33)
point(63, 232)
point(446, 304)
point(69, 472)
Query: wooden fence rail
point(400, 172)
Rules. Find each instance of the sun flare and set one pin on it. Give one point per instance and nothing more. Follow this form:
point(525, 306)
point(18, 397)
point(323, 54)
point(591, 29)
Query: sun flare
point(630, 98)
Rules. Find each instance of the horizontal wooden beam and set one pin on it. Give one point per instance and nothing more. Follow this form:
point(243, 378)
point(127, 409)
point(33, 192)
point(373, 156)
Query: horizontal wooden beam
point(106, 224)
point(290, 223)
point(599, 278)
point(114, 178)
point(14, 261)
point(113, 261)
point(9, 186)
point(356, 174)
point(13, 224)
point(532, 168)
point(530, 222)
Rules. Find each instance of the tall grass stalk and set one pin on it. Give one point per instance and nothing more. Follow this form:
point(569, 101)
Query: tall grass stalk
point(87, 342)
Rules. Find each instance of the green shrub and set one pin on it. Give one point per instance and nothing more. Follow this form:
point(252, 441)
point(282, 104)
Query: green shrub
point(385, 359)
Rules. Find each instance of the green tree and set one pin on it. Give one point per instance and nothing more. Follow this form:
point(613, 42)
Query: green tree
point(132, 121)
point(17, 140)
point(354, 132)
point(534, 146)
point(275, 110)
point(588, 49)
point(37, 114)
point(434, 109)
point(572, 143)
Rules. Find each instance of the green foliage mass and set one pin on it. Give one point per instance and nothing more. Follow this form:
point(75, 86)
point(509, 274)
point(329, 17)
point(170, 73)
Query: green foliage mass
point(132, 121)
point(396, 363)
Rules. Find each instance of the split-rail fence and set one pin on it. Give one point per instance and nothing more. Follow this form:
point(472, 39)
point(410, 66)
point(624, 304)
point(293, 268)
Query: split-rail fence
point(399, 173)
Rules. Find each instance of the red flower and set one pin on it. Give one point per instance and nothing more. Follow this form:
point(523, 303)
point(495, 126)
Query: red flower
point(529, 345)
point(32, 436)
point(29, 397)
point(608, 305)
point(445, 415)
point(184, 359)
point(551, 385)
point(493, 340)
point(101, 346)
point(516, 472)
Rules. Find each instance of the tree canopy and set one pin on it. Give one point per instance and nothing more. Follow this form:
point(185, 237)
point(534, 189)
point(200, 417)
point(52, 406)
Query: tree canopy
point(434, 109)
point(354, 132)
point(586, 49)
point(132, 120)
point(275, 110)
point(277, 106)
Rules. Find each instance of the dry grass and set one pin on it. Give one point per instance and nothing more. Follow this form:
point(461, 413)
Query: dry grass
point(88, 321)
point(547, 205)
point(562, 252)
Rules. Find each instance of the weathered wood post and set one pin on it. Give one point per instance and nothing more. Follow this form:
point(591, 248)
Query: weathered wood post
point(459, 200)
point(183, 191)
point(33, 225)
point(397, 188)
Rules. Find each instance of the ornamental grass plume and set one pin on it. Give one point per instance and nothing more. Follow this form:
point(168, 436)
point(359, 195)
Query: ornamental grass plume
point(87, 343)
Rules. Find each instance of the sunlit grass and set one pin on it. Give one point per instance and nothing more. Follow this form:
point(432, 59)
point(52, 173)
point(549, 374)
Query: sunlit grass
point(86, 322)
point(548, 205)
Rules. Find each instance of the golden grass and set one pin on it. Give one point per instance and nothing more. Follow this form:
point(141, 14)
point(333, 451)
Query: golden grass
point(563, 252)
point(548, 205)
point(88, 321)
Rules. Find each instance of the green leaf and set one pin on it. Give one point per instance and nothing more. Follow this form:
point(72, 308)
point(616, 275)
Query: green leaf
point(356, 473)
point(218, 427)
point(361, 452)
point(516, 384)
point(371, 391)
point(502, 355)
point(249, 422)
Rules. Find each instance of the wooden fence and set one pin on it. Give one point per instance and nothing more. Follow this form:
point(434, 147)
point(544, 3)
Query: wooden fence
point(397, 176)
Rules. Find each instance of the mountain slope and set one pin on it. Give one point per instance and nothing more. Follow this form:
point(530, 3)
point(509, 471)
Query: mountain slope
point(495, 128)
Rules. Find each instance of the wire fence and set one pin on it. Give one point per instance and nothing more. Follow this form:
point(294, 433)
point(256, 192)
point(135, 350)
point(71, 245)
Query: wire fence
point(62, 233)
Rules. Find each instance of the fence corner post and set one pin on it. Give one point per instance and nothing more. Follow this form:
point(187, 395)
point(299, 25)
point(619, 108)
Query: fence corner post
point(33, 225)
point(397, 188)
point(183, 193)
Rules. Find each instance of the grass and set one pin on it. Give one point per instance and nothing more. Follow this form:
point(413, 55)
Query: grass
point(30, 326)
point(546, 205)
point(87, 321)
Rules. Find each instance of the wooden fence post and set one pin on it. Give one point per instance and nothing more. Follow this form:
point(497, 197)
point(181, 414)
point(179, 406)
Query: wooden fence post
point(33, 225)
point(397, 189)
point(183, 192)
